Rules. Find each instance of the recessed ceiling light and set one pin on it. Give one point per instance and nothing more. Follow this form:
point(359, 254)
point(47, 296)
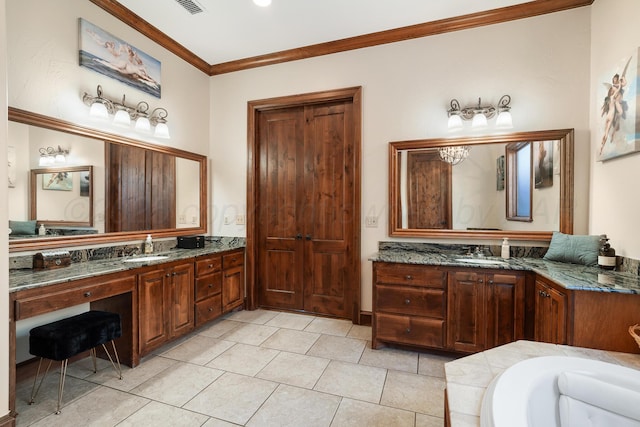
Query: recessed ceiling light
point(262, 3)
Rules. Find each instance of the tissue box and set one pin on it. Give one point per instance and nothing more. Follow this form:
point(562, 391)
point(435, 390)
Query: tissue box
point(52, 259)
point(190, 242)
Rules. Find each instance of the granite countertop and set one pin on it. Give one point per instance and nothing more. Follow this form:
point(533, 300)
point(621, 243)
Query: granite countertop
point(28, 279)
point(467, 378)
point(569, 276)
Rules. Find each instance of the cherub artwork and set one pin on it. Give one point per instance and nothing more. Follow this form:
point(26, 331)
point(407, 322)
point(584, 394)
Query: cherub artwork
point(106, 54)
point(617, 110)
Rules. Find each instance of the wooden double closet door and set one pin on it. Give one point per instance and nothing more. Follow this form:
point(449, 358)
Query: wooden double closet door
point(307, 209)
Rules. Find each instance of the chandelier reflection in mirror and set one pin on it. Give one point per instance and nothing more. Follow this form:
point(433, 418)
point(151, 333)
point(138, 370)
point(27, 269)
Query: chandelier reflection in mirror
point(123, 115)
point(454, 154)
point(479, 114)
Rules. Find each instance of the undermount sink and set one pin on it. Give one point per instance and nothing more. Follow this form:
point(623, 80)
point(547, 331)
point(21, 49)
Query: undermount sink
point(480, 261)
point(146, 258)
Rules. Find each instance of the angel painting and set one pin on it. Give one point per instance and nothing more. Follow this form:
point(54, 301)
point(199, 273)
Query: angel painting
point(614, 106)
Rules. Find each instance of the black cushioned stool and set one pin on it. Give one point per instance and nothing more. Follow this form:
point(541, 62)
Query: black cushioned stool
point(68, 337)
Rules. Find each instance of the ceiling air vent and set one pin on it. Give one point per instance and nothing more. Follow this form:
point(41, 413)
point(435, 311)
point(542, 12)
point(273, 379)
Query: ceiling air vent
point(191, 6)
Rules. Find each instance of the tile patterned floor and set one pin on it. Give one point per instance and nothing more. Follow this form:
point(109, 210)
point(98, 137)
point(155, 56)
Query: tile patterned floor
point(253, 368)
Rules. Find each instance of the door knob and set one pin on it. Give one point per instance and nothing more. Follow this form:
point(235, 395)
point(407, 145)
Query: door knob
point(298, 236)
point(308, 236)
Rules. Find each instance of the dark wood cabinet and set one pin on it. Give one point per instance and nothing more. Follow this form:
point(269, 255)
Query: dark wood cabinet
point(165, 311)
point(458, 309)
point(232, 280)
point(486, 309)
point(208, 289)
point(550, 313)
point(466, 311)
point(409, 305)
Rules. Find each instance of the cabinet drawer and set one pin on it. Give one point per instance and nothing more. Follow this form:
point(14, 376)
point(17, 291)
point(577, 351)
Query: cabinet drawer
point(208, 266)
point(208, 285)
point(413, 301)
point(233, 260)
point(410, 275)
point(208, 309)
point(410, 330)
point(55, 300)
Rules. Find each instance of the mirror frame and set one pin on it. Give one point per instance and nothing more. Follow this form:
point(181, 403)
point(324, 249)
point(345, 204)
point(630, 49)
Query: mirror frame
point(565, 138)
point(33, 201)
point(39, 120)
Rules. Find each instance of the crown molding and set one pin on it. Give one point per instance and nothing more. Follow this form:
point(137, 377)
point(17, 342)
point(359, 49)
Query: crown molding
point(458, 23)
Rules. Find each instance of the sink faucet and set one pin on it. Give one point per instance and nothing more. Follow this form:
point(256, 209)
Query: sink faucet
point(479, 252)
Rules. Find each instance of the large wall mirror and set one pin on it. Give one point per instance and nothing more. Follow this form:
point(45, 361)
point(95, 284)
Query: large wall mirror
point(473, 195)
point(110, 188)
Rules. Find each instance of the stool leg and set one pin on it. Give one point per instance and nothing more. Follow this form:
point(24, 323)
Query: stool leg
point(115, 353)
point(93, 358)
point(63, 373)
point(34, 390)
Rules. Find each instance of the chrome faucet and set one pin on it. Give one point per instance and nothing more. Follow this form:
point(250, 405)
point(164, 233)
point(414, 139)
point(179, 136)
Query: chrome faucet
point(479, 252)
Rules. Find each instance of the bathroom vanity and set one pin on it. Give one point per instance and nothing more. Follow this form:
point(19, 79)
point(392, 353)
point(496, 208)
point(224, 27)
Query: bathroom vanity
point(447, 302)
point(159, 298)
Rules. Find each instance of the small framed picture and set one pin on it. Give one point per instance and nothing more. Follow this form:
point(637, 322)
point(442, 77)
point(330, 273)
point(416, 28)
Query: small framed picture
point(61, 181)
point(500, 173)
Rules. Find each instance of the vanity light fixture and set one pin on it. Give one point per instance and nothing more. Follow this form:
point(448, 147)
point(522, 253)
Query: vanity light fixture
point(454, 154)
point(479, 114)
point(50, 156)
point(123, 114)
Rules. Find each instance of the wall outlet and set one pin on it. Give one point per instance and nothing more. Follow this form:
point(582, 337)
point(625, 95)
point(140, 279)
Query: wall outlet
point(371, 221)
point(239, 219)
point(194, 220)
point(182, 219)
point(228, 220)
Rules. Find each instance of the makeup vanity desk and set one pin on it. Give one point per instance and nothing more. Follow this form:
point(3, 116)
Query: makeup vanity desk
point(201, 283)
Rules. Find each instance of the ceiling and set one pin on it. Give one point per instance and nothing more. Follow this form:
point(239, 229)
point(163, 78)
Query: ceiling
point(229, 31)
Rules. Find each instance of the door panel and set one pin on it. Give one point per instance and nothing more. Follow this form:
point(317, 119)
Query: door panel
point(429, 190)
point(281, 168)
point(306, 208)
point(329, 193)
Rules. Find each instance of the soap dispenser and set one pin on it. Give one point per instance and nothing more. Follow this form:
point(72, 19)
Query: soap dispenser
point(606, 254)
point(148, 245)
point(42, 231)
point(506, 249)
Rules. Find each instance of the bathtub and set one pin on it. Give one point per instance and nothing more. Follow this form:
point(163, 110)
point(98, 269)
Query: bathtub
point(527, 393)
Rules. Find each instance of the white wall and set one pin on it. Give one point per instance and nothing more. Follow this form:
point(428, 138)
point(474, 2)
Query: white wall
point(44, 75)
point(542, 62)
point(615, 204)
point(4, 241)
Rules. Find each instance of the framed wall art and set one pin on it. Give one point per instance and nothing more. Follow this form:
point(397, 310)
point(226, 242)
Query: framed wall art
point(106, 54)
point(618, 109)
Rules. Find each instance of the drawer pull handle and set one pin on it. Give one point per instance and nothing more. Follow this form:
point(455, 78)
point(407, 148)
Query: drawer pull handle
point(211, 285)
point(480, 280)
point(167, 275)
point(210, 309)
point(408, 277)
point(407, 301)
point(87, 294)
point(210, 265)
point(408, 330)
point(491, 282)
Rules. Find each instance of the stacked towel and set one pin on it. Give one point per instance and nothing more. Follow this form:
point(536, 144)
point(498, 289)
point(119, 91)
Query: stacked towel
point(589, 401)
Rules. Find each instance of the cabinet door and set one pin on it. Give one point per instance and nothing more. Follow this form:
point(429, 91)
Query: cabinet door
point(181, 298)
point(505, 308)
point(232, 288)
point(152, 311)
point(466, 312)
point(550, 314)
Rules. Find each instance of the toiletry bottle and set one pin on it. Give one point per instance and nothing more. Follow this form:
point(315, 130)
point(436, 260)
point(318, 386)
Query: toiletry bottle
point(148, 245)
point(606, 254)
point(506, 249)
point(42, 231)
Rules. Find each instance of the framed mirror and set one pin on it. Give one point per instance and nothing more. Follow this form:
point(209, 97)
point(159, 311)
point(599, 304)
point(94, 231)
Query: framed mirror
point(62, 196)
point(457, 188)
point(181, 188)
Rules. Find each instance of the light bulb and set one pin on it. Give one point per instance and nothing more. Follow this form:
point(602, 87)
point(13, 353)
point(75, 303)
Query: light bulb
point(142, 124)
point(99, 111)
point(162, 131)
point(479, 121)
